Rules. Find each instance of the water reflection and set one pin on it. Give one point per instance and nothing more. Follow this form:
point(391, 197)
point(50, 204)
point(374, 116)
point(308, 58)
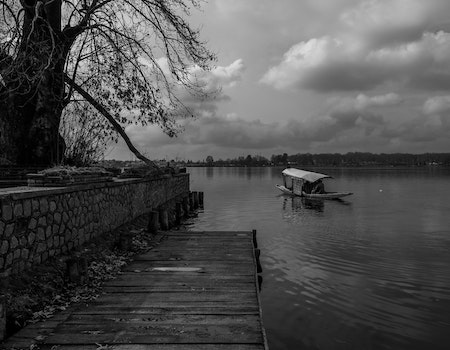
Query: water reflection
point(298, 204)
point(209, 172)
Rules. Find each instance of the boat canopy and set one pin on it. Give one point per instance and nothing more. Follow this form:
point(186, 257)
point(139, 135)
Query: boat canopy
point(304, 175)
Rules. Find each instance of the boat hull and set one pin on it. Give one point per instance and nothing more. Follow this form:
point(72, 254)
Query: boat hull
point(329, 195)
point(285, 190)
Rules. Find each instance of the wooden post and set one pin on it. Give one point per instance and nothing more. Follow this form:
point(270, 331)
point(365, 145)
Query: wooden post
point(186, 207)
point(200, 199)
point(163, 219)
point(255, 242)
point(258, 263)
point(2, 317)
point(77, 269)
point(4, 283)
point(178, 213)
point(195, 197)
point(170, 218)
point(191, 201)
point(84, 267)
point(153, 222)
point(73, 272)
point(125, 242)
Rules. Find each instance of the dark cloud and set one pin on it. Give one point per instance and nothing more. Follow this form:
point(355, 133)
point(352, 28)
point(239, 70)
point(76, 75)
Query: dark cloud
point(349, 122)
point(213, 84)
point(402, 41)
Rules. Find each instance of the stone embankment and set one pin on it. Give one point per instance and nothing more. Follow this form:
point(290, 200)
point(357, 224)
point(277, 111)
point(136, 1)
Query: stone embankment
point(39, 223)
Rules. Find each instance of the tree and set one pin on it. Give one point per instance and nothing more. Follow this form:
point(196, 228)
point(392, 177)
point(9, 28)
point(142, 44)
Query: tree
point(209, 160)
point(84, 137)
point(124, 58)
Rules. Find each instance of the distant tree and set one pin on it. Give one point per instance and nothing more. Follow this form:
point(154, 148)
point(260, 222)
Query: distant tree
point(209, 160)
point(114, 55)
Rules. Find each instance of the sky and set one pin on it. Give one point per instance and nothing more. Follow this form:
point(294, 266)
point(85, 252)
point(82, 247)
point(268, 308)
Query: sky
point(315, 76)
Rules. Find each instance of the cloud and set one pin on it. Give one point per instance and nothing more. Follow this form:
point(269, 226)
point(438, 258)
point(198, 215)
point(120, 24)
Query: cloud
point(328, 64)
point(214, 83)
point(362, 101)
point(219, 77)
point(437, 105)
point(377, 41)
point(351, 124)
point(387, 22)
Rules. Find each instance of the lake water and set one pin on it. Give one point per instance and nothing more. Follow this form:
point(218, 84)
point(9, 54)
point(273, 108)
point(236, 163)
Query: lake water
point(368, 272)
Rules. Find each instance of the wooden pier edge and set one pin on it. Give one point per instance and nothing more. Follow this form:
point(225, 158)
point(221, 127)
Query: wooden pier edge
point(258, 288)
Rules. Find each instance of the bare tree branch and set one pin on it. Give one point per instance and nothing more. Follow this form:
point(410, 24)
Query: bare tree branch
point(111, 119)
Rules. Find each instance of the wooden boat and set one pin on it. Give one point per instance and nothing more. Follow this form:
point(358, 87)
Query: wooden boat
point(297, 180)
point(327, 195)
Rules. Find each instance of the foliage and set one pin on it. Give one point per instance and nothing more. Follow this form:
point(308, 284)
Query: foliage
point(86, 134)
point(358, 159)
point(129, 56)
point(351, 159)
point(68, 171)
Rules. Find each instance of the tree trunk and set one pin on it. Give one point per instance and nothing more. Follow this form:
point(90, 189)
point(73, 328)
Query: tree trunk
point(31, 100)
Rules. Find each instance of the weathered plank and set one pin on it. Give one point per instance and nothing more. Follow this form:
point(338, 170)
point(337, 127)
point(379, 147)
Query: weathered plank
point(173, 297)
point(155, 333)
point(156, 347)
point(167, 318)
point(122, 287)
point(187, 310)
point(194, 290)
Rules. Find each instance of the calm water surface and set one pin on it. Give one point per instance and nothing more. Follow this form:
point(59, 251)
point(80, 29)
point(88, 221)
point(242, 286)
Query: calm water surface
point(370, 272)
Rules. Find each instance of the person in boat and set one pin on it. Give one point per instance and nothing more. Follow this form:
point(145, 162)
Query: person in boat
point(318, 188)
point(307, 187)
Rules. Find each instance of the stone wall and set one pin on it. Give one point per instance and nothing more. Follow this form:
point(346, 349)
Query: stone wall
point(38, 223)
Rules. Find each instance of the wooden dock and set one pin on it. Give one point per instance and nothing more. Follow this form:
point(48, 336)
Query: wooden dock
point(195, 290)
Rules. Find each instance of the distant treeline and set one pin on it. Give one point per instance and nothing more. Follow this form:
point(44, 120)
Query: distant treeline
point(352, 159)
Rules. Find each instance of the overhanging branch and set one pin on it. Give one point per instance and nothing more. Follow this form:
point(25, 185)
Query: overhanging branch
point(110, 118)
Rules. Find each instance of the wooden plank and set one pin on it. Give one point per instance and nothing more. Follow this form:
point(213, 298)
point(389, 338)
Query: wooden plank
point(192, 285)
point(171, 255)
point(155, 347)
point(85, 319)
point(174, 309)
point(209, 233)
point(170, 297)
point(211, 266)
point(177, 304)
point(208, 263)
point(181, 269)
point(154, 334)
point(197, 280)
point(118, 287)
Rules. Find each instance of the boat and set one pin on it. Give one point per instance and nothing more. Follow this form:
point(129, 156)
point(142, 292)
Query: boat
point(296, 180)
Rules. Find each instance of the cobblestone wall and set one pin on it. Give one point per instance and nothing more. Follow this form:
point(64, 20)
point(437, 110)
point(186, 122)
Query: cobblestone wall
point(38, 223)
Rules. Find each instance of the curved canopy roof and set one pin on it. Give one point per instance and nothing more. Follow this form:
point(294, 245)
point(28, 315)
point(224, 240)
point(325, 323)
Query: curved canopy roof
point(303, 174)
